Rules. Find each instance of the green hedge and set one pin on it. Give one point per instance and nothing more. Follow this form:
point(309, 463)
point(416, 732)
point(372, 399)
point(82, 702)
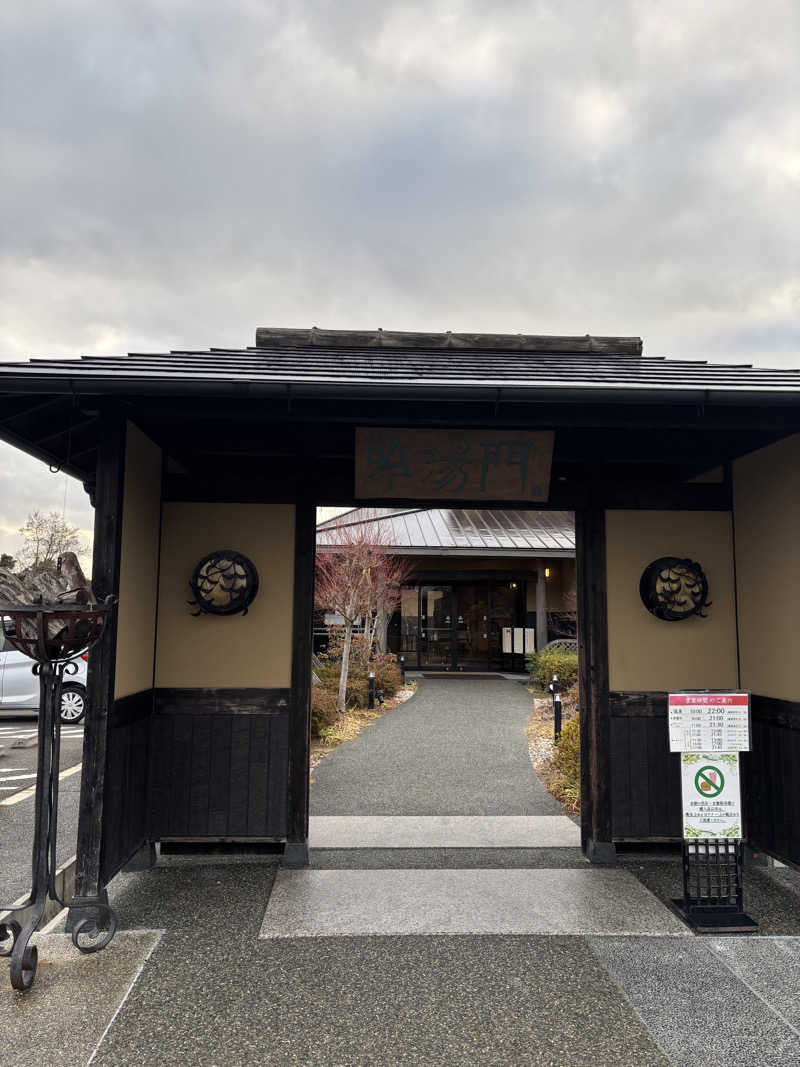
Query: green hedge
point(543, 665)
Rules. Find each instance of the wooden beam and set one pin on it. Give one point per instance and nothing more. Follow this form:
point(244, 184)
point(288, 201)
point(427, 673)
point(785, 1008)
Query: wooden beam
point(110, 478)
point(595, 727)
point(305, 531)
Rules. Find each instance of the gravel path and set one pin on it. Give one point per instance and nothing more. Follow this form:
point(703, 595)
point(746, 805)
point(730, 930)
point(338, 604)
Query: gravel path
point(456, 748)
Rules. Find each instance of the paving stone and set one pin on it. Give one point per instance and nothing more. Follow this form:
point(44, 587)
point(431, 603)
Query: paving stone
point(443, 831)
point(324, 903)
point(337, 1002)
point(62, 1017)
point(770, 966)
point(695, 1007)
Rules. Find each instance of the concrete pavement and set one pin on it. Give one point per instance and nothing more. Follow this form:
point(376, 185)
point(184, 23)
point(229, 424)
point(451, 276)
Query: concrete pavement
point(457, 747)
point(419, 954)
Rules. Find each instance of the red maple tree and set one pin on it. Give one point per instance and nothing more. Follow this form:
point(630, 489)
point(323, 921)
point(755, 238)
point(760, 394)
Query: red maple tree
point(359, 578)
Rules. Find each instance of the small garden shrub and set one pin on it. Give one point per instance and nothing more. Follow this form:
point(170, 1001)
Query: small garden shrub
point(323, 708)
point(327, 668)
point(567, 763)
point(543, 665)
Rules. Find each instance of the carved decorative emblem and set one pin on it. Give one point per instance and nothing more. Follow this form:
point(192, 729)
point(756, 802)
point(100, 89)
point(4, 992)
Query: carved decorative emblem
point(223, 583)
point(674, 589)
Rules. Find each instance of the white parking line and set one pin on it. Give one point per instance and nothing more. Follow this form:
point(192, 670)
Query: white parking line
point(31, 790)
point(8, 735)
point(16, 777)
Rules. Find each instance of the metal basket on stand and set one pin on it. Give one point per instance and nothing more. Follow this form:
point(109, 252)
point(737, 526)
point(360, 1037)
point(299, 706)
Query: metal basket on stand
point(53, 636)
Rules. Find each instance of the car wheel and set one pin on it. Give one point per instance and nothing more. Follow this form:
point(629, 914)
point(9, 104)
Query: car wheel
point(73, 703)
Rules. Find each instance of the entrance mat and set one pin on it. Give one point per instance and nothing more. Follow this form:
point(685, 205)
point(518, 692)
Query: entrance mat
point(62, 1019)
point(326, 903)
point(443, 831)
point(712, 1000)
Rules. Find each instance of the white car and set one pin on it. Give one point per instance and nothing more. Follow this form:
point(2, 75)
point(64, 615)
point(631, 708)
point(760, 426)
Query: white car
point(19, 686)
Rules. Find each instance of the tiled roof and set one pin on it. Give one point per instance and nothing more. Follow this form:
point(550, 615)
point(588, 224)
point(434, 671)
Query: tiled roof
point(316, 359)
point(446, 531)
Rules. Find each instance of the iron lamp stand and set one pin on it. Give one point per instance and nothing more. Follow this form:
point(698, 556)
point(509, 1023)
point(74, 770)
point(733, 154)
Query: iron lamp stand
point(74, 631)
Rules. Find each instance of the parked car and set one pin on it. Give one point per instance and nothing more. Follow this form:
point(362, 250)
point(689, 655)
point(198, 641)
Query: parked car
point(19, 686)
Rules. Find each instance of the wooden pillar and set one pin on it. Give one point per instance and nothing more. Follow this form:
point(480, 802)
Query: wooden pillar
point(109, 486)
point(541, 605)
point(305, 534)
point(595, 729)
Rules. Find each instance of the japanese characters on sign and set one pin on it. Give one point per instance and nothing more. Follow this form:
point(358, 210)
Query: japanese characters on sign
point(712, 802)
point(709, 722)
point(472, 465)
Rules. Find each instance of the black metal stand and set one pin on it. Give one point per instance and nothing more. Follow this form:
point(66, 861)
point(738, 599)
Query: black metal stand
point(712, 887)
point(97, 928)
point(556, 708)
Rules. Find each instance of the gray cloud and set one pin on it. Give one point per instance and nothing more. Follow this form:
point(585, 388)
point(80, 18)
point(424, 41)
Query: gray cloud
point(182, 172)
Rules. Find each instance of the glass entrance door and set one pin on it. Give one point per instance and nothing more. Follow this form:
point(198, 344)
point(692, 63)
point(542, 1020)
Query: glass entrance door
point(506, 610)
point(471, 612)
point(436, 627)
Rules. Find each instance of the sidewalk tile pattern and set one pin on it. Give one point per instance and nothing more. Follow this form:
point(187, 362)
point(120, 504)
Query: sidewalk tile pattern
point(696, 1007)
point(329, 903)
point(443, 831)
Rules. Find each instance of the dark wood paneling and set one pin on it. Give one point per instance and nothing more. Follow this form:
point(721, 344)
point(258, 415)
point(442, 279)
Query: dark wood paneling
point(590, 546)
point(100, 683)
point(635, 705)
point(645, 775)
point(219, 763)
point(125, 802)
point(771, 779)
point(302, 645)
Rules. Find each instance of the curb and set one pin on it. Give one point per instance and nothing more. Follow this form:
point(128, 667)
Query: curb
point(65, 888)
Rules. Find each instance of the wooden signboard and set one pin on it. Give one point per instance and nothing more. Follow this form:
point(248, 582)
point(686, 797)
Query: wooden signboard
point(474, 465)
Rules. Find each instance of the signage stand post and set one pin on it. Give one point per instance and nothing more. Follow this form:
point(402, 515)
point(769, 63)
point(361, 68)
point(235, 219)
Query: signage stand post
point(709, 730)
point(712, 887)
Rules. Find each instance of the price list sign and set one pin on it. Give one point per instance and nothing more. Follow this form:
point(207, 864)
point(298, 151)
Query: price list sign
point(709, 722)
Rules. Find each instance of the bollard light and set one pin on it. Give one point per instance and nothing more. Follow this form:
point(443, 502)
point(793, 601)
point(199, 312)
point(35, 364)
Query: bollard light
point(556, 707)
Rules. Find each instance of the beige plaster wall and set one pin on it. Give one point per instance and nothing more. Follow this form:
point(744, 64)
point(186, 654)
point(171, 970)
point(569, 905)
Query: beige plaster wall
point(644, 652)
point(242, 650)
point(138, 578)
point(766, 495)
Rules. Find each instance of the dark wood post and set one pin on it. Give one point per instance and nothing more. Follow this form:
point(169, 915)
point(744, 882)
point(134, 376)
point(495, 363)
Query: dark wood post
point(541, 604)
point(100, 682)
point(305, 537)
point(595, 729)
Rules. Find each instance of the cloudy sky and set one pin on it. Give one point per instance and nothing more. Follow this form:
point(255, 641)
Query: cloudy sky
point(178, 172)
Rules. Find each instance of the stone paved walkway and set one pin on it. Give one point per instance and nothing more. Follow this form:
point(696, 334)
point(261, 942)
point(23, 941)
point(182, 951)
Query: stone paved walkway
point(457, 747)
point(241, 963)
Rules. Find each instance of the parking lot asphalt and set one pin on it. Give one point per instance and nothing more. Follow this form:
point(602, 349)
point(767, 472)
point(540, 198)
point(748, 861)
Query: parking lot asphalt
point(17, 778)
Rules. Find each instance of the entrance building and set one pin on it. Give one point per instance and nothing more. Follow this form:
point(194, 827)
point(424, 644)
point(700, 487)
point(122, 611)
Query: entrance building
point(485, 587)
point(198, 721)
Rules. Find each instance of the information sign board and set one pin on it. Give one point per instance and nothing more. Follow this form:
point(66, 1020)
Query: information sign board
point(709, 722)
point(712, 802)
